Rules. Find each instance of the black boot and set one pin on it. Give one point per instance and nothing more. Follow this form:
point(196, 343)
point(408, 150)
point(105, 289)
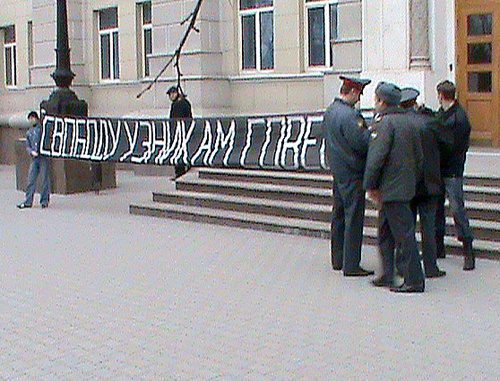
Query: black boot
point(469, 257)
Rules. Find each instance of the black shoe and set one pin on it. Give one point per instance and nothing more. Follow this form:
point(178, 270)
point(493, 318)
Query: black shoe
point(469, 257)
point(45, 206)
point(23, 206)
point(436, 274)
point(359, 272)
point(469, 263)
point(383, 282)
point(336, 266)
point(407, 288)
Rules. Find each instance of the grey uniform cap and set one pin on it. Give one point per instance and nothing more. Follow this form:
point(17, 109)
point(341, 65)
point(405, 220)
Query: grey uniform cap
point(389, 93)
point(409, 94)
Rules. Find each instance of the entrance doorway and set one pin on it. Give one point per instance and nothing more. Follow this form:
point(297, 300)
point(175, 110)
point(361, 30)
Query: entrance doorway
point(478, 67)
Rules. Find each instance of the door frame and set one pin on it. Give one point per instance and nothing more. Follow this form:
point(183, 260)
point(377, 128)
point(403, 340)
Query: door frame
point(462, 9)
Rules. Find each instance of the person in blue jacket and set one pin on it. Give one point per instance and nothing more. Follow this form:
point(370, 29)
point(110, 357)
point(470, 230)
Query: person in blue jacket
point(39, 164)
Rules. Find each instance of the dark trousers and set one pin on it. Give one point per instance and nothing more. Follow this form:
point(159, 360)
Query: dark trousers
point(180, 169)
point(397, 230)
point(347, 223)
point(455, 194)
point(425, 207)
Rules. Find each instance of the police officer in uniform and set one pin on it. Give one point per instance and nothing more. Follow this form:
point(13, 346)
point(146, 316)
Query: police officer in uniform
point(393, 170)
point(347, 140)
point(434, 141)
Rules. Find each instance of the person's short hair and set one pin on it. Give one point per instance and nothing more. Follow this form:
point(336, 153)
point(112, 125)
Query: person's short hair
point(173, 89)
point(33, 114)
point(447, 89)
point(346, 88)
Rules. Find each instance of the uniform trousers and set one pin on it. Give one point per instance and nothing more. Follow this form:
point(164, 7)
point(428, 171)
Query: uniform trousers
point(347, 223)
point(397, 230)
point(425, 207)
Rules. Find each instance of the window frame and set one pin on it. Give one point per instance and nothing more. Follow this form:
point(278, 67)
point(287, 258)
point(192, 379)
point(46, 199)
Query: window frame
point(12, 47)
point(145, 64)
point(111, 33)
point(325, 4)
point(257, 11)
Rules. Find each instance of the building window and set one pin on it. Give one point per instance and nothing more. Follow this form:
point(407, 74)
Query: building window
point(321, 31)
point(108, 44)
point(10, 56)
point(147, 38)
point(257, 34)
point(30, 50)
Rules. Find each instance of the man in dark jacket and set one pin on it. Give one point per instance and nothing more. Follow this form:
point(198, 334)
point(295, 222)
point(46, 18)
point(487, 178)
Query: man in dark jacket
point(434, 141)
point(39, 164)
point(393, 170)
point(347, 141)
point(455, 120)
point(180, 108)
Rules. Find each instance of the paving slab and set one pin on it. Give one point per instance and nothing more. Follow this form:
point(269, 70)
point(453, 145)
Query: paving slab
point(90, 292)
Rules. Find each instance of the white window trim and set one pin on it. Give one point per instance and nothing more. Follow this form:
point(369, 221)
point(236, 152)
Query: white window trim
point(102, 32)
point(256, 12)
point(11, 46)
point(326, 9)
point(146, 27)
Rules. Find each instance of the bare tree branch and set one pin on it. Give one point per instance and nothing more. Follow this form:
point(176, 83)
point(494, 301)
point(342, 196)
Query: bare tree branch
point(177, 54)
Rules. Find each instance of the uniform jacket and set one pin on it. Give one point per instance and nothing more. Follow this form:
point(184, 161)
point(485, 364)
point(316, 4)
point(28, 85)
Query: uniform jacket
point(180, 108)
point(33, 137)
point(395, 156)
point(347, 140)
point(435, 143)
point(455, 122)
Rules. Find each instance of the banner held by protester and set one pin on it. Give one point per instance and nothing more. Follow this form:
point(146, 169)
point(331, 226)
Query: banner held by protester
point(289, 142)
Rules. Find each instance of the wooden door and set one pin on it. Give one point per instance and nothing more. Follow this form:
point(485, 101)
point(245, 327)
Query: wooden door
point(478, 60)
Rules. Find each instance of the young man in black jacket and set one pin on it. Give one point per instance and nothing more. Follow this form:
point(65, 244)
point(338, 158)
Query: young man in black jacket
point(180, 108)
point(455, 120)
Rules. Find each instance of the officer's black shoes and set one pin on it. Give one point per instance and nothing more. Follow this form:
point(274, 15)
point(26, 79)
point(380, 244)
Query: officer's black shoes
point(23, 206)
point(45, 206)
point(359, 272)
point(408, 288)
point(383, 281)
point(435, 274)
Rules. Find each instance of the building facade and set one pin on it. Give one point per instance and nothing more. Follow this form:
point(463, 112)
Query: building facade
point(252, 56)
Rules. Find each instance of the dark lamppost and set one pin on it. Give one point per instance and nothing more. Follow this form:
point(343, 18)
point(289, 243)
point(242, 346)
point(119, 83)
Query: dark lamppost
point(63, 101)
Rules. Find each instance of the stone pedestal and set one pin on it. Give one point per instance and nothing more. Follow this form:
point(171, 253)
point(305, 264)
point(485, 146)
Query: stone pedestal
point(68, 175)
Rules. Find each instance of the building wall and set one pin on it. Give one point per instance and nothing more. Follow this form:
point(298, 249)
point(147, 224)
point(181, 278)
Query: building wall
point(373, 40)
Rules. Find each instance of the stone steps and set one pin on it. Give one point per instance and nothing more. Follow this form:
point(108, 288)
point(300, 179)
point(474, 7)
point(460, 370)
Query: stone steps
point(297, 203)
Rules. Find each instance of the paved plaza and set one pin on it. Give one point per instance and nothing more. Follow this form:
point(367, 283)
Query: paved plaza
point(90, 292)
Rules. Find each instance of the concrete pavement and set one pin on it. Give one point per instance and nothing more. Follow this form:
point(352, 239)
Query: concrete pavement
point(89, 292)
